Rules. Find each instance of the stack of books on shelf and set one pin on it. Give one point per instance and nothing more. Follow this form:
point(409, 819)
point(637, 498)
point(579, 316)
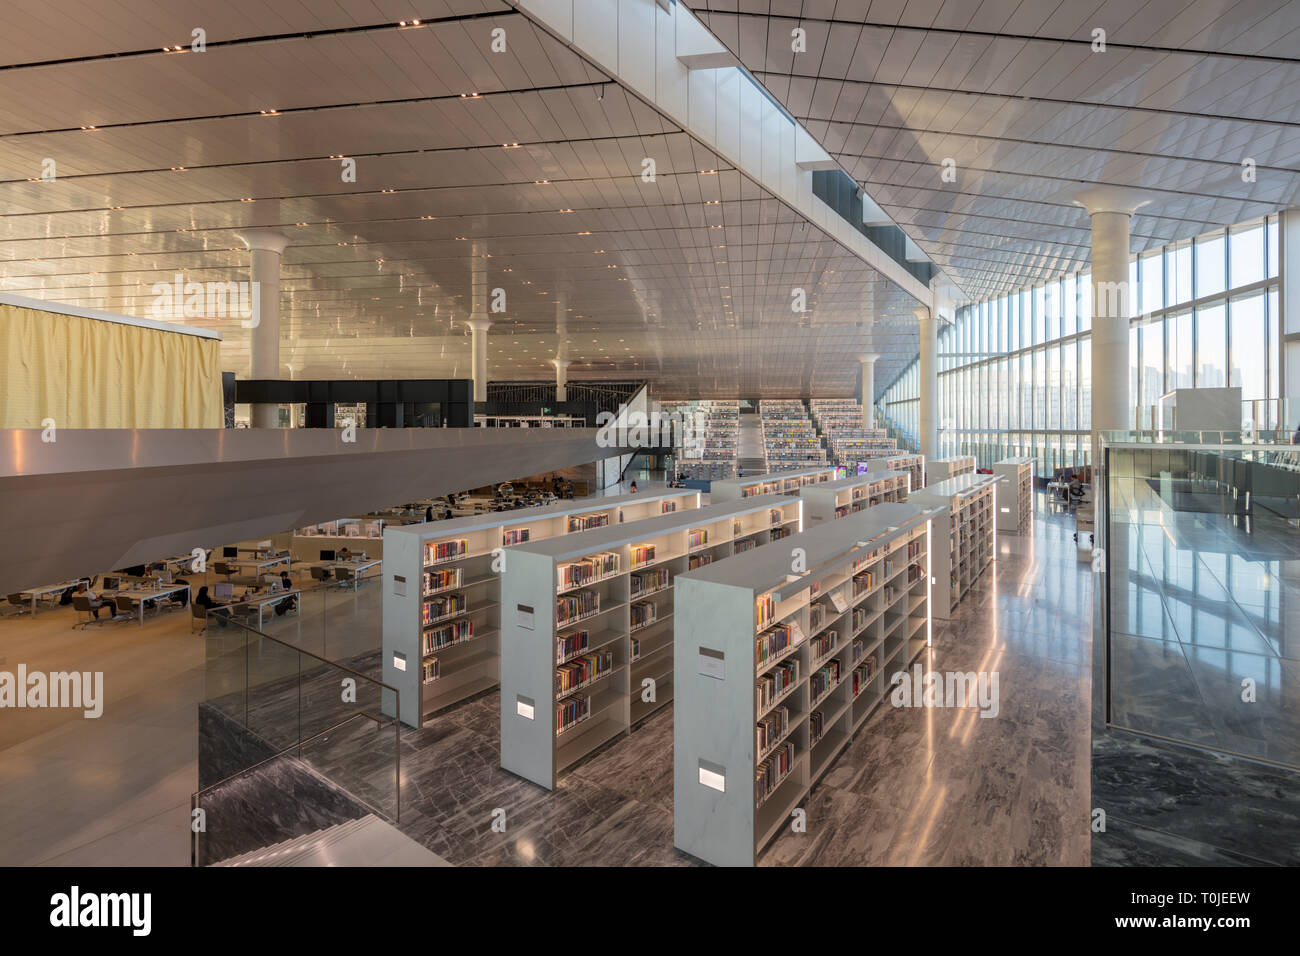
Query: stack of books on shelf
point(514, 536)
point(587, 522)
point(572, 608)
point(571, 711)
point(700, 560)
point(764, 609)
point(435, 581)
point(581, 671)
point(642, 554)
point(771, 687)
point(643, 614)
point(770, 728)
point(696, 539)
point(441, 607)
point(568, 646)
point(771, 771)
point(823, 680)
point(587, 570)
point(446, 635)
point(745, 545)
point(430, 670)
point(773, 643)
point(863, 673)
point(438, 552)
point(647, 582)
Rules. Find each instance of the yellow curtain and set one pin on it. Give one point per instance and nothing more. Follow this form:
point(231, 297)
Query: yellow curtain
point(89, 373)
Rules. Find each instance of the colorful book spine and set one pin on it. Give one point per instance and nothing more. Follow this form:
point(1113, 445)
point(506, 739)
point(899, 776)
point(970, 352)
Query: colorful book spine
point(643, 614)
point(642, 554)
point(772, 771)
point(582, 671)
point(646, 582)
point(442, 580)
point(769, 687)
point(586, 570)
point(430, 670)
point(438, 552)
point(747, 544)
point(697, 538)
point(447, 634)
point(514, 536)
point(569, 645)
point(698, 561)
point(445, 605)
point(587, 522)
point(823, 679)
point(573, 607)
point(773, 643)
point(765, 609)
point(771, 728)
point(571, 711)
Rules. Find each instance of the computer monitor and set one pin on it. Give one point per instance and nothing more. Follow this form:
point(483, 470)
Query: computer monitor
point(110, 584)
point(230, 552)
point(225, 590)
point(327, 555)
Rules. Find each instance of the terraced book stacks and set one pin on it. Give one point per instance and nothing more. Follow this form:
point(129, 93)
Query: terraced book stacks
point(789, 438)
point(1015, 493)
point(776, 671)
point(848, 436)
point(914, 465)
point(839, 499)
point(969, 503)
point(621, 604)
point(441, 627)
point(711, 456)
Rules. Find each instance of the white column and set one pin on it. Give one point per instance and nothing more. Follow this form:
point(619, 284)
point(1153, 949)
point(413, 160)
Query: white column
point(868, 360)
point(929, 375)
point(1111, 210)
point(561, 379)
point(266, 248)
point(478, 321)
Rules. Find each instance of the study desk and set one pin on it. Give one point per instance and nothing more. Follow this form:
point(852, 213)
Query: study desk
point(36, 593)
point(139, 596)
point(261, 565)
point(262, 603)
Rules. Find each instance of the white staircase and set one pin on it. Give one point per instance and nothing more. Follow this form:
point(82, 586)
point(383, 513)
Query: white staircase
point(750, 453)
point(365, 841)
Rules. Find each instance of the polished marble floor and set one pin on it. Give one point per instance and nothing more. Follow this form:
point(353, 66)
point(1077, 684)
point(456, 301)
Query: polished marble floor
point(915, 786)
point(1205, 618)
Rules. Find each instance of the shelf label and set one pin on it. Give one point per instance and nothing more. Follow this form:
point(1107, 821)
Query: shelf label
point(399, 585)
point(399, 661)
point(524, 707)
point(713, 775)
point(713, 664)
point(524, 617)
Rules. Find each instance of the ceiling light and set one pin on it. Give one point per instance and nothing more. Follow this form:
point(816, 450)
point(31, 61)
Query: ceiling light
point(581, 233)
point(388, 190)
point(462, 238)
point(89, 127)
point(471, 96)
point(566, 210)
point(428, 217)
point(269, 112)
point(300, 224)
point(708, 172)
point(178, 169)
point(713, 202)
point(541, 182)
point(247, 199)
point(509, 145)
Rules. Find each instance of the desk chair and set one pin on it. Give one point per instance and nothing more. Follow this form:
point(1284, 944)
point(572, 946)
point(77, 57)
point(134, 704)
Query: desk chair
point(221, 567)
point(81, 604)
point(199, 614)
point(321, 574)
point(125, 609)
point(347, 576)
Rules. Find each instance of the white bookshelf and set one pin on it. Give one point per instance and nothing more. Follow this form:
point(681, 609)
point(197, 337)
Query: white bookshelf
point(626, 640)
point(941, 469)
point(839, 499)
point(970, 503)
point(433, 678)
point(914, 465)
point(778, 483)
point(864, 598)
point(1015, 493)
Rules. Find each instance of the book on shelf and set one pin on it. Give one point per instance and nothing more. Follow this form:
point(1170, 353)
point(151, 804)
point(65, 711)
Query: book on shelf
point(442, 580)
point(769, 687)
point(770, 728)
point(772, 643)
point(863, 582)
point(863, 673)
point(582, 670)
point(823, 679)
point(698, 561)
point(514, 536)
point(697, 538)
point(569, 645)
point(857, 651)
point(445, 635)
point(438, 552)
point(636, 649)
point(745, 544)
point(588, 521)
point(644, 582)
point(816, 617)
point(571, 711)
point(822, 644)
point(667, 507)
point(642, 554)
point(584, 571)
point(774, 516)
point(444, 605)
point(764, 609)
point(430, 670)
point(772, 771)
point(571, 607)
point(816, 726)
point(643, 614)
point(776, 534)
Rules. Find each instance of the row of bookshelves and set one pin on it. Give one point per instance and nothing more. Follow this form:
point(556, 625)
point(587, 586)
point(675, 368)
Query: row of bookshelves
point(969, 503)
point(1015, 493)
point(819, 643)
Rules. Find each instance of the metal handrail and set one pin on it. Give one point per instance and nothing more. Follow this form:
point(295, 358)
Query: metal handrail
point(397, 796)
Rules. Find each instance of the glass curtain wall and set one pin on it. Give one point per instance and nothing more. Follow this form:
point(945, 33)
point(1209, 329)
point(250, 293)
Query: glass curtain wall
point(1015, 371)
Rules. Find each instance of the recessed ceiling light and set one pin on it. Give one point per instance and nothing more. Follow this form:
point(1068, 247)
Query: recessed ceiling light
point(269, 112)
point(713, 202)
point(566, 210)
point(509, 145)
point(471, 96)
point(581, 233)
point(247, 199)
point(541, 182)
point(708, 172)
point(428, 217)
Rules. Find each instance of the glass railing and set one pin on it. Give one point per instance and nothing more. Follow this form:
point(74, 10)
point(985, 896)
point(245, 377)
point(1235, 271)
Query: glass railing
point(282, 695)
point(1198, 560)
point(263, 805)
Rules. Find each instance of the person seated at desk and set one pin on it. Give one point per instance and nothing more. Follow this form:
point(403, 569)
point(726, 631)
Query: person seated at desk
point(289, 603)
point(1074, 491)
point(96, 602)
point(206, 601)
point(343, 554)
point(428, 513)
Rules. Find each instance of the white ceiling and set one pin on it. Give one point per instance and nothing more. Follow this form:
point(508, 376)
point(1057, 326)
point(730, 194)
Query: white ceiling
point(1012, 91)
point(685, 281)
